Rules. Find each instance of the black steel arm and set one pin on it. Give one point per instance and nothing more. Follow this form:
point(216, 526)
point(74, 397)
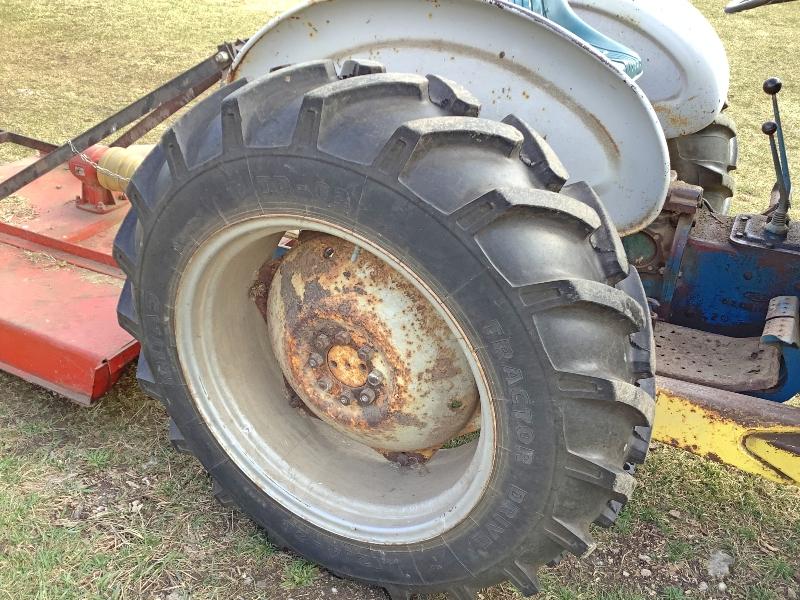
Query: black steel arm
point(157, 105)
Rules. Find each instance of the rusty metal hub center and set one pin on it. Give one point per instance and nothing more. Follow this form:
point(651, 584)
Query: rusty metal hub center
point(365, 350)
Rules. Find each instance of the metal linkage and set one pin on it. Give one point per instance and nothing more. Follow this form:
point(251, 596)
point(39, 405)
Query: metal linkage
point(778, 224)
point(753, 435)
point(154, 107)
point(9, 137)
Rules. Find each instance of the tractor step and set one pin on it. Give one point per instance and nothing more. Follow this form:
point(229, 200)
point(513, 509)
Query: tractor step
point(58, 289)
point(717, 361)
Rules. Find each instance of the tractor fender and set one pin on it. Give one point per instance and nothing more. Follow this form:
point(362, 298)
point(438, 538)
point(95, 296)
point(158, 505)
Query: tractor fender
point(598, 121)
point(686, 73)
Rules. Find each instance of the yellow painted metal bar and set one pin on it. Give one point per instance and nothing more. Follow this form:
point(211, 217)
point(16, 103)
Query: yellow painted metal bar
point(754, 435)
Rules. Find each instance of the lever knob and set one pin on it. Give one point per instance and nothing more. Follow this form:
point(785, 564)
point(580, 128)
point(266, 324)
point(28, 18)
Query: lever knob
point(769, 128)
point(772, 86)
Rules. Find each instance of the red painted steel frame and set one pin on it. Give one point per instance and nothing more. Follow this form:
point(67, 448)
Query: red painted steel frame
point(58, 291)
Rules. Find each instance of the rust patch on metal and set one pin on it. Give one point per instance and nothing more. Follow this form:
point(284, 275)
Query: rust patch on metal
point(347, 367)
point(364, 349)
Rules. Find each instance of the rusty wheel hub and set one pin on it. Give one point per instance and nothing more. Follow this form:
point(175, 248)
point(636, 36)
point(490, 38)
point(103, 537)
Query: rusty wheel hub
point(365, 351)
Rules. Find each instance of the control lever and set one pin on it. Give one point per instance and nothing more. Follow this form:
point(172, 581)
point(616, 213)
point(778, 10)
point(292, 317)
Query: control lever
point(780, 218)
point(740, 5)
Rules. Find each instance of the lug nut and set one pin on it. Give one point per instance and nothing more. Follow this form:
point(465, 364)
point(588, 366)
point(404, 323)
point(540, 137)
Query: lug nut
point(324, 384)
point(367, 396)
point(365, 353)
point(346, 398)
point(374, 378)
point(322, 341)
point(314, 360)
point(342, 338)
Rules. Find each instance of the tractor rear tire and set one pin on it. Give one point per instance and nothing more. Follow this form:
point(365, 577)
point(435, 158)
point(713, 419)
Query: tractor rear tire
point(706, 158)
point(531, 272)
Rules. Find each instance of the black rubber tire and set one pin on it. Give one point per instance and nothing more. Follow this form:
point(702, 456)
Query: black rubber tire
point(706, 158)
point(538, 289)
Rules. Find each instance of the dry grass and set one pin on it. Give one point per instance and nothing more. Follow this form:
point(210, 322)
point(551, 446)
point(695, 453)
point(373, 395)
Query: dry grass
point(760, 44)
point(15, 210)
point(95, 504)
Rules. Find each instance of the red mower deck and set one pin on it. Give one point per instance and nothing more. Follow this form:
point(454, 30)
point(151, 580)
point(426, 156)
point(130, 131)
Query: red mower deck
point(58, 289)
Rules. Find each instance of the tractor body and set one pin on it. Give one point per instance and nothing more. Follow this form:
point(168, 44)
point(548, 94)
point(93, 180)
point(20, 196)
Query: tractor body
point(603, 123)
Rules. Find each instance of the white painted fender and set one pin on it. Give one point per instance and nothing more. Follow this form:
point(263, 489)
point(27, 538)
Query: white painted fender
point(598, 121)
point(686, 73)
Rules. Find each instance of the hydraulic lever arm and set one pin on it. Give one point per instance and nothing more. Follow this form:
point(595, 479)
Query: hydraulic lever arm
point(741, 5)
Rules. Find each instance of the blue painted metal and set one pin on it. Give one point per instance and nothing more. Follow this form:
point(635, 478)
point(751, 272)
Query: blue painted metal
point(560, 12)
point(725, 288)
point(789, 385)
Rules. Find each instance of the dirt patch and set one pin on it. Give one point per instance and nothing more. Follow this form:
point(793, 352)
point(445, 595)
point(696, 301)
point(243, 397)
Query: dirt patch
point(99, 278)
point(45, 260)
point(16, 210)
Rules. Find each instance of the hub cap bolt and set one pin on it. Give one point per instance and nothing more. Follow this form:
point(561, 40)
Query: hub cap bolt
point(367, 396)
point(342, 338)
point(365, 353)
point(323, 341)
point(324, 384)
point(375, 378)
point(346, 398)
point(314, 360)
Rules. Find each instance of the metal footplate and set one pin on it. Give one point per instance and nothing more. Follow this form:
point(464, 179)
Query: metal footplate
point(733, 364)
point(700, 407)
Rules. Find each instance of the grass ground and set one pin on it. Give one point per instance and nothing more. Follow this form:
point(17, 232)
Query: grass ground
point(95, 504)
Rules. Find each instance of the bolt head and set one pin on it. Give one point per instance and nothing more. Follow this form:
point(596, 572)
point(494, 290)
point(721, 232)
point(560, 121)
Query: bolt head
point(322, 341)
point(221, 57)
point(328, 252)
point(365, 353)
point(346, 398)
point(367, 396)
point(324, 384)
point(375, 377)
point(342, 337)
point(314, 360)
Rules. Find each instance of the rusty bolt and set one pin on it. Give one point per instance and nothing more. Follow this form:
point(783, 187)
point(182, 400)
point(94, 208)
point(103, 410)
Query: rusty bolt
point(221, 58)
point(346, 398)
point(324, 384)
point(367, 396)
point(375, 377)
point(342, 337)
point(328, 252)
point(322, 341)
point(365, 353)
point(314, 360)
